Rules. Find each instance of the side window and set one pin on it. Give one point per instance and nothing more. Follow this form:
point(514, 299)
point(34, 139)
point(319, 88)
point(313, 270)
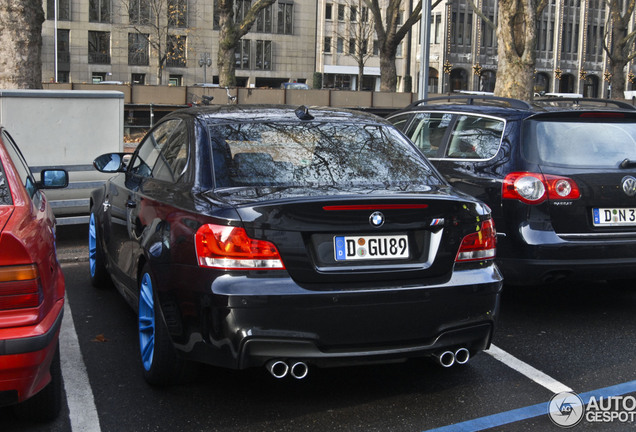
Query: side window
point(475, 137)
point(427, 131)
point(401, 121)
point(173, 159)
point(150, 148)
point(23, 170)
point(5, 193)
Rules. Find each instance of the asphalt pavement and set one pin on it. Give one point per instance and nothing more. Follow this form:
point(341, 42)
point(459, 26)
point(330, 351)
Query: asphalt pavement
point(72, 243)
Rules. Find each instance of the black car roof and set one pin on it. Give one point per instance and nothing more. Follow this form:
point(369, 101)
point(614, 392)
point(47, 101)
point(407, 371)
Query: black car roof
point(514, 108)
point(277, 113)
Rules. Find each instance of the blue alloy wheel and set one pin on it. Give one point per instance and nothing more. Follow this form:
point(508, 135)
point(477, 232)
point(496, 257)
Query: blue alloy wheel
point(146, 322)
point(92, 245)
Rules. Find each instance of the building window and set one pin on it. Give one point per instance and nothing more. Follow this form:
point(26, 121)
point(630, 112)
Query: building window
point(242, 55)
point(138, 78)
point(264, 55)
point(340, 45)
point(99, 11)
point(264, 20)
point(175, 80)
point(138, 49)
point(364, 17)
point(399, 51)
point(176, 51)
point(285, 18)
point(63, 10)
point(353, 14)
point(242, 8)
point(326, 47)
point(139, 11)
point(97, 77)
point(329, 11)
point(98, 47)
point(437, 28)
point(376, 47)
point(178, 13)
point(352, 46)
point(63, 49)
point(341, 12)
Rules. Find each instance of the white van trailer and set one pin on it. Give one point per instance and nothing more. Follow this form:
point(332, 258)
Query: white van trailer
point(65, 129)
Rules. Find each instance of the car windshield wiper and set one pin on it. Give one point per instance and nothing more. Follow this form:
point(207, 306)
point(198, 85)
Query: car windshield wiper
point(627, 163)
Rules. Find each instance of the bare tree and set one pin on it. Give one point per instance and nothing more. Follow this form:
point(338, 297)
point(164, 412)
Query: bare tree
point(233, 26)
point(153, 23)
point(390, 34)
point(21, 43)
point(516, 51)
point(619, 43)
point(360, 33)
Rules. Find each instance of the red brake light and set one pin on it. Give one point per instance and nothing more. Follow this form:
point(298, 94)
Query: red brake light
point(533, 188)
point(479, 245)
point(19, 287)
point(228, 247)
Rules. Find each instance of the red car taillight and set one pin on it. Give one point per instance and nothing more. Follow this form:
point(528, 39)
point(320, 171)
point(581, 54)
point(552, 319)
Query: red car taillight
point(19, 287)
point(533, 188)
point(230, 248)
point(479, 245)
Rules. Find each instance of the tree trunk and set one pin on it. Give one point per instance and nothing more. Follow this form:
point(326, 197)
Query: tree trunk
point(388, 77)
point(617, 57)
point(21, 44)
point(516, 37)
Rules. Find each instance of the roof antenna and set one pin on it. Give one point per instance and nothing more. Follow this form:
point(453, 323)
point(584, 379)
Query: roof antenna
point(302, 112)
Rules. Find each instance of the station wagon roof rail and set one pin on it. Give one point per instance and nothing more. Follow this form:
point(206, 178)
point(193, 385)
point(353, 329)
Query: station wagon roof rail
point(588, 102)
point(475, 100)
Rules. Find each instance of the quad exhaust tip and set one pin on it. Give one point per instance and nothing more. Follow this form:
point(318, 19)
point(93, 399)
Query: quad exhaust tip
point(280, 369)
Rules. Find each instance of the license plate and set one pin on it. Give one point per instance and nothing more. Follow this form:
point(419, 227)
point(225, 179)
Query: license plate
point(349, 248)
point(614, 216)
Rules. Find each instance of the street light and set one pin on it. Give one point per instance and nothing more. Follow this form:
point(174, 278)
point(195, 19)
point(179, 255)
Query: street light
point(205, 62)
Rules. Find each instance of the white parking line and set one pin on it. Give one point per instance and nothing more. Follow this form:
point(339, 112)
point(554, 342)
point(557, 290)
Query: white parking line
point(525, 369)
point(79, 395)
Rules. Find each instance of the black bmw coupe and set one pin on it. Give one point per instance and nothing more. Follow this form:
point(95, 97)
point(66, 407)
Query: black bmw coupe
point(285, 237)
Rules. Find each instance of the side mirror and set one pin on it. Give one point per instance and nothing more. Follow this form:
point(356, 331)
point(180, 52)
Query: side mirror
point(111, 162)
point(53, 179)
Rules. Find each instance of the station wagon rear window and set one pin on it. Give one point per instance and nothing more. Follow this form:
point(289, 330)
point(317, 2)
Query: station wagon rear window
point(578, 143)
point(316, 154)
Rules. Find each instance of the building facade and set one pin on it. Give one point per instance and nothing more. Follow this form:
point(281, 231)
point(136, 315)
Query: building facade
point(122, 41)
point(292, 40)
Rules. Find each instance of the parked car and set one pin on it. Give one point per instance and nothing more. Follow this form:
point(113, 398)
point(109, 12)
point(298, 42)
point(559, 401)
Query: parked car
point(248, 236)
point(558, 174)
point(31, 288)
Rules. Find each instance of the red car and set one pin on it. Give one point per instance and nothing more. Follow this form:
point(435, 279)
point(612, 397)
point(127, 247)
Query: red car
point(31, 288)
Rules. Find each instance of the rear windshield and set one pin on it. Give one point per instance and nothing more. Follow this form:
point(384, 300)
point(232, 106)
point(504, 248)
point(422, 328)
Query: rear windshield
point(317, 154)
point(580, 143)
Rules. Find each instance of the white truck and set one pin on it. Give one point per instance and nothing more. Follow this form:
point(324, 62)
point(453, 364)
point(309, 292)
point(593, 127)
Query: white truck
point(65, 129)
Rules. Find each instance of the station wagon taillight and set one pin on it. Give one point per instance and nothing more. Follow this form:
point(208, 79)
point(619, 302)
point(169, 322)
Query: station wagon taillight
point(230, 248)
point(533, 188)
point(19, 287)
point(479, 245)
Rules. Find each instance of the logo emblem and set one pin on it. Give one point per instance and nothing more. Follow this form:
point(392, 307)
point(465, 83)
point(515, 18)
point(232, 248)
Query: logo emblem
point(629, 186)
point(566, 409)
point(376, 219)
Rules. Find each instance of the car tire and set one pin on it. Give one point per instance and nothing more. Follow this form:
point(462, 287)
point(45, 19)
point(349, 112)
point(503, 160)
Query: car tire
point(160, 362)
point(97, 267)
point(45, 406)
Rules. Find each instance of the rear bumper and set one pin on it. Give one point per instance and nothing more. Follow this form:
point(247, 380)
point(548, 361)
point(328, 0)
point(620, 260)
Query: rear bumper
point(272, 318)
point(25, 362)
point(541, 256)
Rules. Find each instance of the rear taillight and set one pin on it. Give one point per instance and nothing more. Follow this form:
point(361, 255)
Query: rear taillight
point(479, 245)
point(230, 248)
point(19, 287)
point(533, 188)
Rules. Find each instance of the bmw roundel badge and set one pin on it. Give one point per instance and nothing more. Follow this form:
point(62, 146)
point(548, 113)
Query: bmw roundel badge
point(376, 219)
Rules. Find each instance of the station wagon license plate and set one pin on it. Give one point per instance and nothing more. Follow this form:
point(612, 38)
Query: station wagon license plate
point(349, 248)
point(614, 216)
